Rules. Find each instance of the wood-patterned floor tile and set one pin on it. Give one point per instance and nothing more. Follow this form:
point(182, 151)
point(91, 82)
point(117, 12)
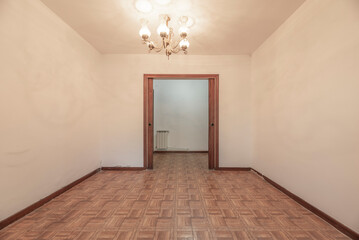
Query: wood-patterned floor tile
point(106, 235)
point(179, 199)
point(125, 235)
point(240, 235)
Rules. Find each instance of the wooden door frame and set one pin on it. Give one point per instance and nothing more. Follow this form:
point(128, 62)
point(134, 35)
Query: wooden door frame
point(213, 102)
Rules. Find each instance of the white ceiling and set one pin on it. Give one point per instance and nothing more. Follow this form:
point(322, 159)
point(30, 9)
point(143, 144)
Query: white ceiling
point(221, 26)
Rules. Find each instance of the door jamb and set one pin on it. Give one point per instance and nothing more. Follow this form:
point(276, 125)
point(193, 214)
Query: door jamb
point(148, 164)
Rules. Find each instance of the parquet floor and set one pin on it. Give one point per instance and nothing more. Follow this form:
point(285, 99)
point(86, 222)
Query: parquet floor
point(179, 199)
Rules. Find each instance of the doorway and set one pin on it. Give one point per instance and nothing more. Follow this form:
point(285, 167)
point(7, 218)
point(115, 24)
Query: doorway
point(213, 87)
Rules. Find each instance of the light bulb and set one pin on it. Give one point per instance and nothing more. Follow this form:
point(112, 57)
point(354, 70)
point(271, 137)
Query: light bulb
point(183, 31)
point(184, 44)
point(143, 6)
point(163, 30)
point(145, 33)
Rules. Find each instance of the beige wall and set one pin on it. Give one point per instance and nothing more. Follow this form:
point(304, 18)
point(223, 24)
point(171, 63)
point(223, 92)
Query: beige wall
point(48, 105)
point(122, 104)
point(306, 101)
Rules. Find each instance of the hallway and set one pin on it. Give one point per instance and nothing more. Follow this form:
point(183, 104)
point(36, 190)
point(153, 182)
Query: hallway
point(179, 199)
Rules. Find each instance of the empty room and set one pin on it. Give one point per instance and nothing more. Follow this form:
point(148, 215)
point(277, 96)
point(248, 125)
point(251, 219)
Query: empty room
point(179, 119)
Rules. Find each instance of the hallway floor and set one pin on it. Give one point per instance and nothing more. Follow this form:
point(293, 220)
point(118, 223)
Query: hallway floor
point(179, 199)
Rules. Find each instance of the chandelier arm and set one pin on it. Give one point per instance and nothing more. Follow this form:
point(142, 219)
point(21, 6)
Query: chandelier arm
point(175, 50)
point(176, 43)
point(171, 35)
point(157, 46)
point(157, 49)
point(163, 43)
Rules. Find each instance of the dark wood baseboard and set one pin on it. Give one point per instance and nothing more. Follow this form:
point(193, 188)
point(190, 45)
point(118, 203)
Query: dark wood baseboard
point(233, 169)
point(260, 174)
point(123, 168)
point(41, 202)
point(180, 152)
point(341, 227)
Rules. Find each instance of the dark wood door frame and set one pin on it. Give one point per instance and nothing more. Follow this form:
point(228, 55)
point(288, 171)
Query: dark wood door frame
point(213, 118)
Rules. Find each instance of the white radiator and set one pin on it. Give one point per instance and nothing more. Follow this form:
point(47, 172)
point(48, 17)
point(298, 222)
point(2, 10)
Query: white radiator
point(162, 139)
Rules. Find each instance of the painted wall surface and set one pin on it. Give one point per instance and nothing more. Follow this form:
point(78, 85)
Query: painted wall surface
point(122, 104)
point(48, 105)
point(306, 101)
point(181, 106)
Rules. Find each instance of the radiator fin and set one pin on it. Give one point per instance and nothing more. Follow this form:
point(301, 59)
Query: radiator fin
point(162, 139)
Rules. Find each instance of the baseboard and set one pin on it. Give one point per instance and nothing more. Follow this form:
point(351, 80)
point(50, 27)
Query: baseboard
point(260, 174)
point(233, 168)
point(41, 202)
point(339, 226)
point(180, 152)
point(123, 168)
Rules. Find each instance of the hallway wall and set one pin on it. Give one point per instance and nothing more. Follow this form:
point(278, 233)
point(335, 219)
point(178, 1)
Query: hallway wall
point(48, 105)
point(181, 107)
point(306, 103)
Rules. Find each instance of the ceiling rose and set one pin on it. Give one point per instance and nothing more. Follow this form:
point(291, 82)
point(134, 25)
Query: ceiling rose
point(163, 2)
point(143, 6)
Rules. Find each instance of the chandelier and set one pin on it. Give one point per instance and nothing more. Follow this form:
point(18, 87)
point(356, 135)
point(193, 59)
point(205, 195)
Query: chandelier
point(167, 41)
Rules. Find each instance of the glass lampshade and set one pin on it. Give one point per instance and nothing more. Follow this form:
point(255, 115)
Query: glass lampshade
point(184, 44)
point(163, 30)
point(183, 31)
point(145, 33)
